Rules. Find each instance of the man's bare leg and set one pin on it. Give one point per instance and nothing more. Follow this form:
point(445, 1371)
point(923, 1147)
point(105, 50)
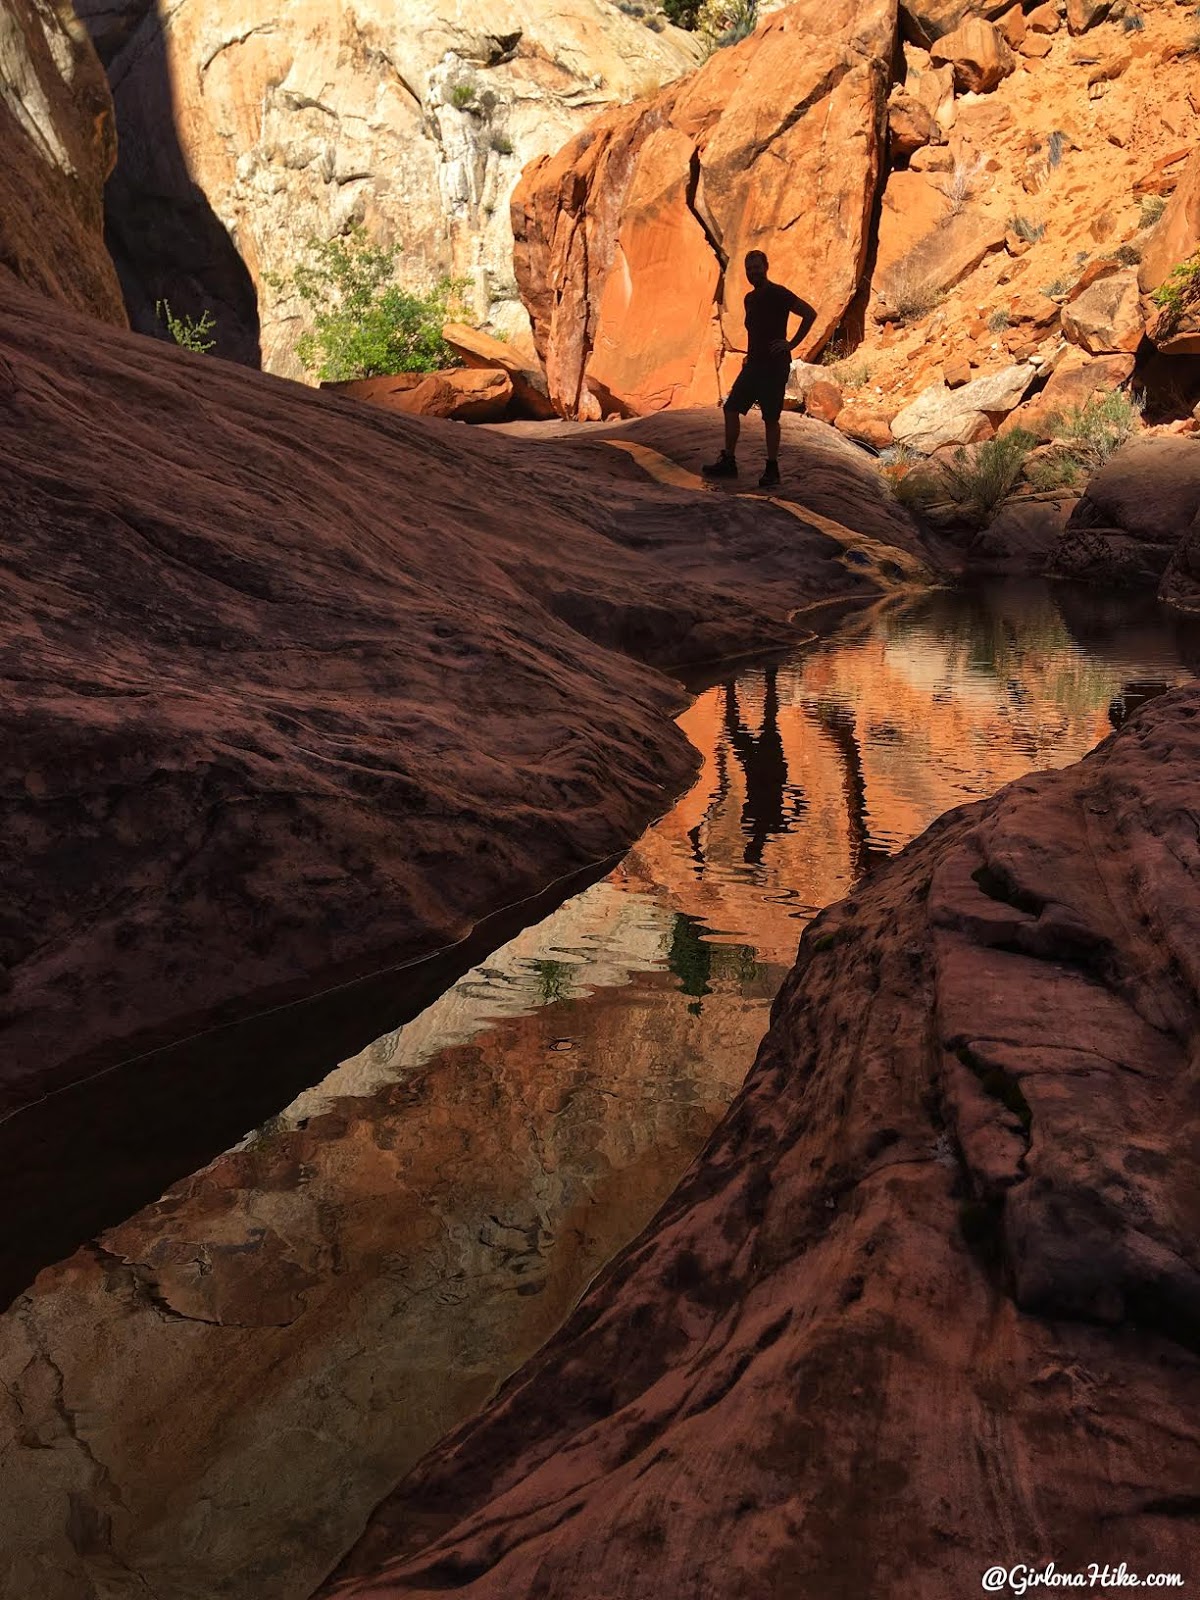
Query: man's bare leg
point(772, 441)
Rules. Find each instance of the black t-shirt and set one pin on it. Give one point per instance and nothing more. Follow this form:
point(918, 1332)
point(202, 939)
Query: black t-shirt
point(767, 311)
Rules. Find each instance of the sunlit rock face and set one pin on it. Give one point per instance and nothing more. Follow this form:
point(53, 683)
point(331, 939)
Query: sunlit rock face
point(278, 124)
point(57, 146)
point(630, 239)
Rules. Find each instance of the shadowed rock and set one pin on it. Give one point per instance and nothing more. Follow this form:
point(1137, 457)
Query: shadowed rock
point(930, 1299)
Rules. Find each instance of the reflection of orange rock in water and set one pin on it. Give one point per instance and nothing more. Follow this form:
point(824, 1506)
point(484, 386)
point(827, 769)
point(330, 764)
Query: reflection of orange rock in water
point(318, 1307)
point(879, 735)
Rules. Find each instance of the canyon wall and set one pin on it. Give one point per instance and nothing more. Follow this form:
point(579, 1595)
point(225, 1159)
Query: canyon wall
point(930, 1300)
point(57, 146)
point(246, 130)
point(623, 238)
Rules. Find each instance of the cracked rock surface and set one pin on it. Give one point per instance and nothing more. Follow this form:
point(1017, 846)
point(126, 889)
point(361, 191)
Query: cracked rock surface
point(930, 1299)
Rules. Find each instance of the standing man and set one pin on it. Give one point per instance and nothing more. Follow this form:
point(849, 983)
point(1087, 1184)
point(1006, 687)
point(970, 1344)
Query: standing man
point(764, 373)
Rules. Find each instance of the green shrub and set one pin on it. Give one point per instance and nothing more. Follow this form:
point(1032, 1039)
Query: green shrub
point(1058, 470)
point(912, 296)
point(1089, 434)
point(364, 324)
point(683, 13)
point(462, 96)
point(1179, 293)
point(501, 144)
point(978, 481)
point(190, 333)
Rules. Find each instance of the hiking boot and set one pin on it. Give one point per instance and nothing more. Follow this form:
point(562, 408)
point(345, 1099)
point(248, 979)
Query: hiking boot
point(770, 478)
point(723, 467)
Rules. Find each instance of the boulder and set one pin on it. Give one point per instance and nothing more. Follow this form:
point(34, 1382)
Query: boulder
point(940, 416)
point(910, 124)
point(57, 146)
point(1106, 315)
point(1085, 14)
point(1022, 535)
point(1044, 18)
point(1076, 379)
point(925, 21)
point(1134, 513)
point(866, 424)
point(801, 378)
point(458, 394)
point(622, 237)
point(477, 348)
point(247, 128)
point(1180, 585)
point(978, 53)
point(1036, 46)
point(956, 372)
point(823, 401)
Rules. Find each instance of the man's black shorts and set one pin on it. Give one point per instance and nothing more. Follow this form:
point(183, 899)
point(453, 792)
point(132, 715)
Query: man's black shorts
point(761, 383)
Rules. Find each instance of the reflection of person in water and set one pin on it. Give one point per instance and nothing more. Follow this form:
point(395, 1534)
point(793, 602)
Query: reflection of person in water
point(765, 766)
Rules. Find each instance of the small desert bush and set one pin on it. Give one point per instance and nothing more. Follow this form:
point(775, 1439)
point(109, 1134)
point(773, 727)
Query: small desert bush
point(848, 372)
point(1056, 470)
point(1057, 287)
point(977, 481)
point(1025, 228)
point(189, 333)
point(501, 144)
point(1150, 208)
point(963, 181)
point(1133, 23)
point(998, 321)
point(365, 325)
point(912, 295)
point(1055, 146)
point(1090, 433)
point(462, 96)
point(973, 483)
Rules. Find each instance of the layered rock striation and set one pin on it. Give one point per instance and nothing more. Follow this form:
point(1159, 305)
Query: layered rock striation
point(57, 147)
point(930, 1300)
point(247, 130)
point(623, 238)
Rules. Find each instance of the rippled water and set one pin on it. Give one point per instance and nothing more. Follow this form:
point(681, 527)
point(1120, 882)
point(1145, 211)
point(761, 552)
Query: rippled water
point(208, 1401)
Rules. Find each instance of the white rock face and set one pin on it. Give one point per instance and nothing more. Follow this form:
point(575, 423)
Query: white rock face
point(941, 416)
point(414, 117)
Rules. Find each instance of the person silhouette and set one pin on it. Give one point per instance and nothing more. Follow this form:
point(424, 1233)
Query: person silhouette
point(764, 374)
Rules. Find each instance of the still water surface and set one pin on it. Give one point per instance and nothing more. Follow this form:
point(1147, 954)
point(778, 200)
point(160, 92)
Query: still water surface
point(208, 1400)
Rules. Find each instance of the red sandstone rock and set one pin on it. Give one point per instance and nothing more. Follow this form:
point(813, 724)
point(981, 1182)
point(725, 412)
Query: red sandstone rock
point(1085, 14)
point(868, 425)
point(479, 349)
point(956, 372)
point(615, 234)
point(1044, 18)
point(978, 53)
point(1076, 379)
point(823, 401)
point(58, 144)
point(459, 394)
point(910, 124)
point(1107, 315)
point(1134, 513)
point(1036, 46)
point(1175, 238)
point(935, 1280)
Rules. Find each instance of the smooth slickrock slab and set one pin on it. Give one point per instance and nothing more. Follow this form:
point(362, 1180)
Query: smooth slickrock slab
point(930, 1299)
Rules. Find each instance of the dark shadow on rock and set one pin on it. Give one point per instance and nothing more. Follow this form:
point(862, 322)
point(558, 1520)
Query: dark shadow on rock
point(166, 240)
